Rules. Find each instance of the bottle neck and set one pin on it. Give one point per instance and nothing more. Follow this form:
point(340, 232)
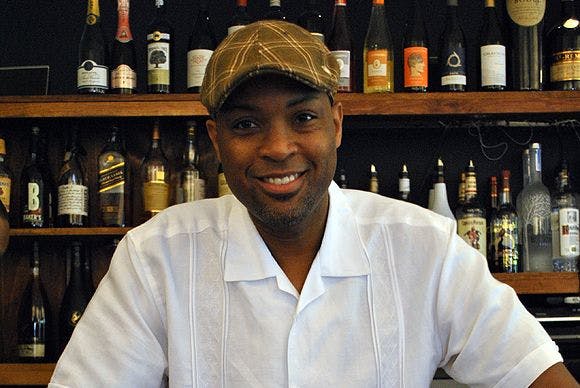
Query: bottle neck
point(123, 29)
point(535, 165)
point(93, 8)
point(340, 3)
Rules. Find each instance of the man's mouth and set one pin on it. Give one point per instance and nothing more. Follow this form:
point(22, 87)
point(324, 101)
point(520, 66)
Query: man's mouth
point(281, 180)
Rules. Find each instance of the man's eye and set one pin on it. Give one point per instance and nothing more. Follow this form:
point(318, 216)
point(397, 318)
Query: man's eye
point(304, 117)
point(244, 125)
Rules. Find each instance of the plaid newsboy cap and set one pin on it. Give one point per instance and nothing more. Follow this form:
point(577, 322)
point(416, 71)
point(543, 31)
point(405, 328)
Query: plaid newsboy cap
point(268, 47)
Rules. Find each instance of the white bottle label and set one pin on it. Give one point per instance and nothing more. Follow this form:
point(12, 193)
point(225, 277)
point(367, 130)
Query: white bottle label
point(196, 64)
point(90, 75)
point(73, 199)
point(343, 59)
point(158, 63)
point(493, 65)
point(33, 196)
point(568, 232)
point(123, 77)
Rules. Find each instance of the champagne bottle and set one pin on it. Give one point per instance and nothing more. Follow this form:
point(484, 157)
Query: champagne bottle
point(563, 41)
point(191, 184)
point(92, 72)
point(404, 183)
point(155, 176)
point(5, 177)
point(36, 188)
point(202, 43)
point(33, 315)
point(471, 222)
point(492, 51)
point(241, 17)
point(440, 203)
point(416, 52)
point(76, 295)
point(374, 180)
point(526, 21)
point(505, 231)
point(159, 52)
point(123, 57)
point(312, 20)
point(114, 182)
point(340, 46)
point(73, 193)
point(275, 11)
point(223, 187)
point(452, 52)
point(378, 57)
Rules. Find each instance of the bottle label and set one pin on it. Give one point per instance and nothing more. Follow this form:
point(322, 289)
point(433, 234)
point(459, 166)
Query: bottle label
point(415, 66)
point(472, 230)
point(196, 64)
point(493, 65)
point(223, 187)
point(505, 242)
point(453, 69)
point(155, 196)
point(377, 74)
point(112, 178)
point(158, 63)
point(31, 350)
point(5, 187)
point(92, 75)
point(565, 66)
point(526, 13)
point(343, 59)
point(193, 188)
point(32, 213)
point(123, 77)
point(565, 223)
point(404, 185)
point(73, 199)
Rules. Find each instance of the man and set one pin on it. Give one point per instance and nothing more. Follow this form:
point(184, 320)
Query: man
point(293, 281)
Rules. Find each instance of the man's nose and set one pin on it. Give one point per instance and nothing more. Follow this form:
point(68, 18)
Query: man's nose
point(278, 142)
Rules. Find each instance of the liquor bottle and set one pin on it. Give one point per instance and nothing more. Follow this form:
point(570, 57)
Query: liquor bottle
point(471, 222)
point(36, 188)
point(415, 52)
point(525, 182)
point(342, 181)
point(5, 177)
point(312, 20)
point(404, 183)
point(241, 17)
point(534, 211)
point(340, 45)
point(505, 231)
point(526, 19)
point(275, 11)
point(73, 193)
point(191, 185)
point(76, 295)
point(114, 182)
point(492, 50)
point(374, 180)
point(33, 316)
point(440, 203)
point(378, 56)
point(563, 41)
point(202, 43)
point(491, 215)
point(155, 176)
point(452, 55)
point(159, 52)
point(565, 230)
point(123, 56)
point(92, 72)
point(223, 187)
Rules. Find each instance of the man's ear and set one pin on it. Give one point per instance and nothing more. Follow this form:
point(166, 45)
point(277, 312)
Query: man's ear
point(337, 116)
point(211, 126)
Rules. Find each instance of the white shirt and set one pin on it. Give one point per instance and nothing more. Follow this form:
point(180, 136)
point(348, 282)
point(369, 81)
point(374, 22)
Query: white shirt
point(392, 294)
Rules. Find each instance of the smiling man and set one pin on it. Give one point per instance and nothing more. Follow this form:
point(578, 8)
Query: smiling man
point(293, 282)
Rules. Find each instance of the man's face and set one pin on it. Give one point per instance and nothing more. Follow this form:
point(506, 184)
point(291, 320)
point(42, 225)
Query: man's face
point(277, 141)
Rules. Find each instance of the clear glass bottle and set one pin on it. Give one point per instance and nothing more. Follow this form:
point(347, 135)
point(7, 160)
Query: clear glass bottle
point(565, 224)
point(191, 185)
point(378, 56)
point(440, 203)
point(471, 222)
point(504, 231)
point(404, 183)
point(534, 211)
point(339, 43)
point(155, 176)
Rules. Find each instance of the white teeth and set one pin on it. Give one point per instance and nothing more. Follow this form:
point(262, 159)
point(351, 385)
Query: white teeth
point(282, 181)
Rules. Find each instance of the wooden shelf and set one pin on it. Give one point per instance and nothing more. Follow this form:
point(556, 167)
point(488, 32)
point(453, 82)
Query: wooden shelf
point(54, 232)
point(542, 282)
point(355, 104)
point(25, 374)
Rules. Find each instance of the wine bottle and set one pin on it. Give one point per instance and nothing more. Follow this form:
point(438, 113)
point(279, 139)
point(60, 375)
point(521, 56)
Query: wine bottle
point(223, 187)
point(491, 215)
point(312, 20)
point(76, 295)
point(471, 222)
point(452, 52)
point(36, 188)
point(404, 183)
point(241, 17)
point(492, 51)
point(275, 11)
point(526, 19)
point(378, 57)
point(159, 52)
point(505, 231)
point(5, 177)
point(191, 185)
point(565, 226)
point(563, 41)
point(123, 56)
point(340, 45)
point(440, 203)
point(155, 176)
point(33, 316)
point(114, 182)
point(92, 72)
point(374, 180)
point(202, 43)
point(73, 193)
point(416, 52)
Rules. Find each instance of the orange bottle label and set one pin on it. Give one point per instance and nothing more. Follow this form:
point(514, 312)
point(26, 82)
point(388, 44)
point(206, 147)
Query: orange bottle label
point(415, 66)
point(377, 68)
